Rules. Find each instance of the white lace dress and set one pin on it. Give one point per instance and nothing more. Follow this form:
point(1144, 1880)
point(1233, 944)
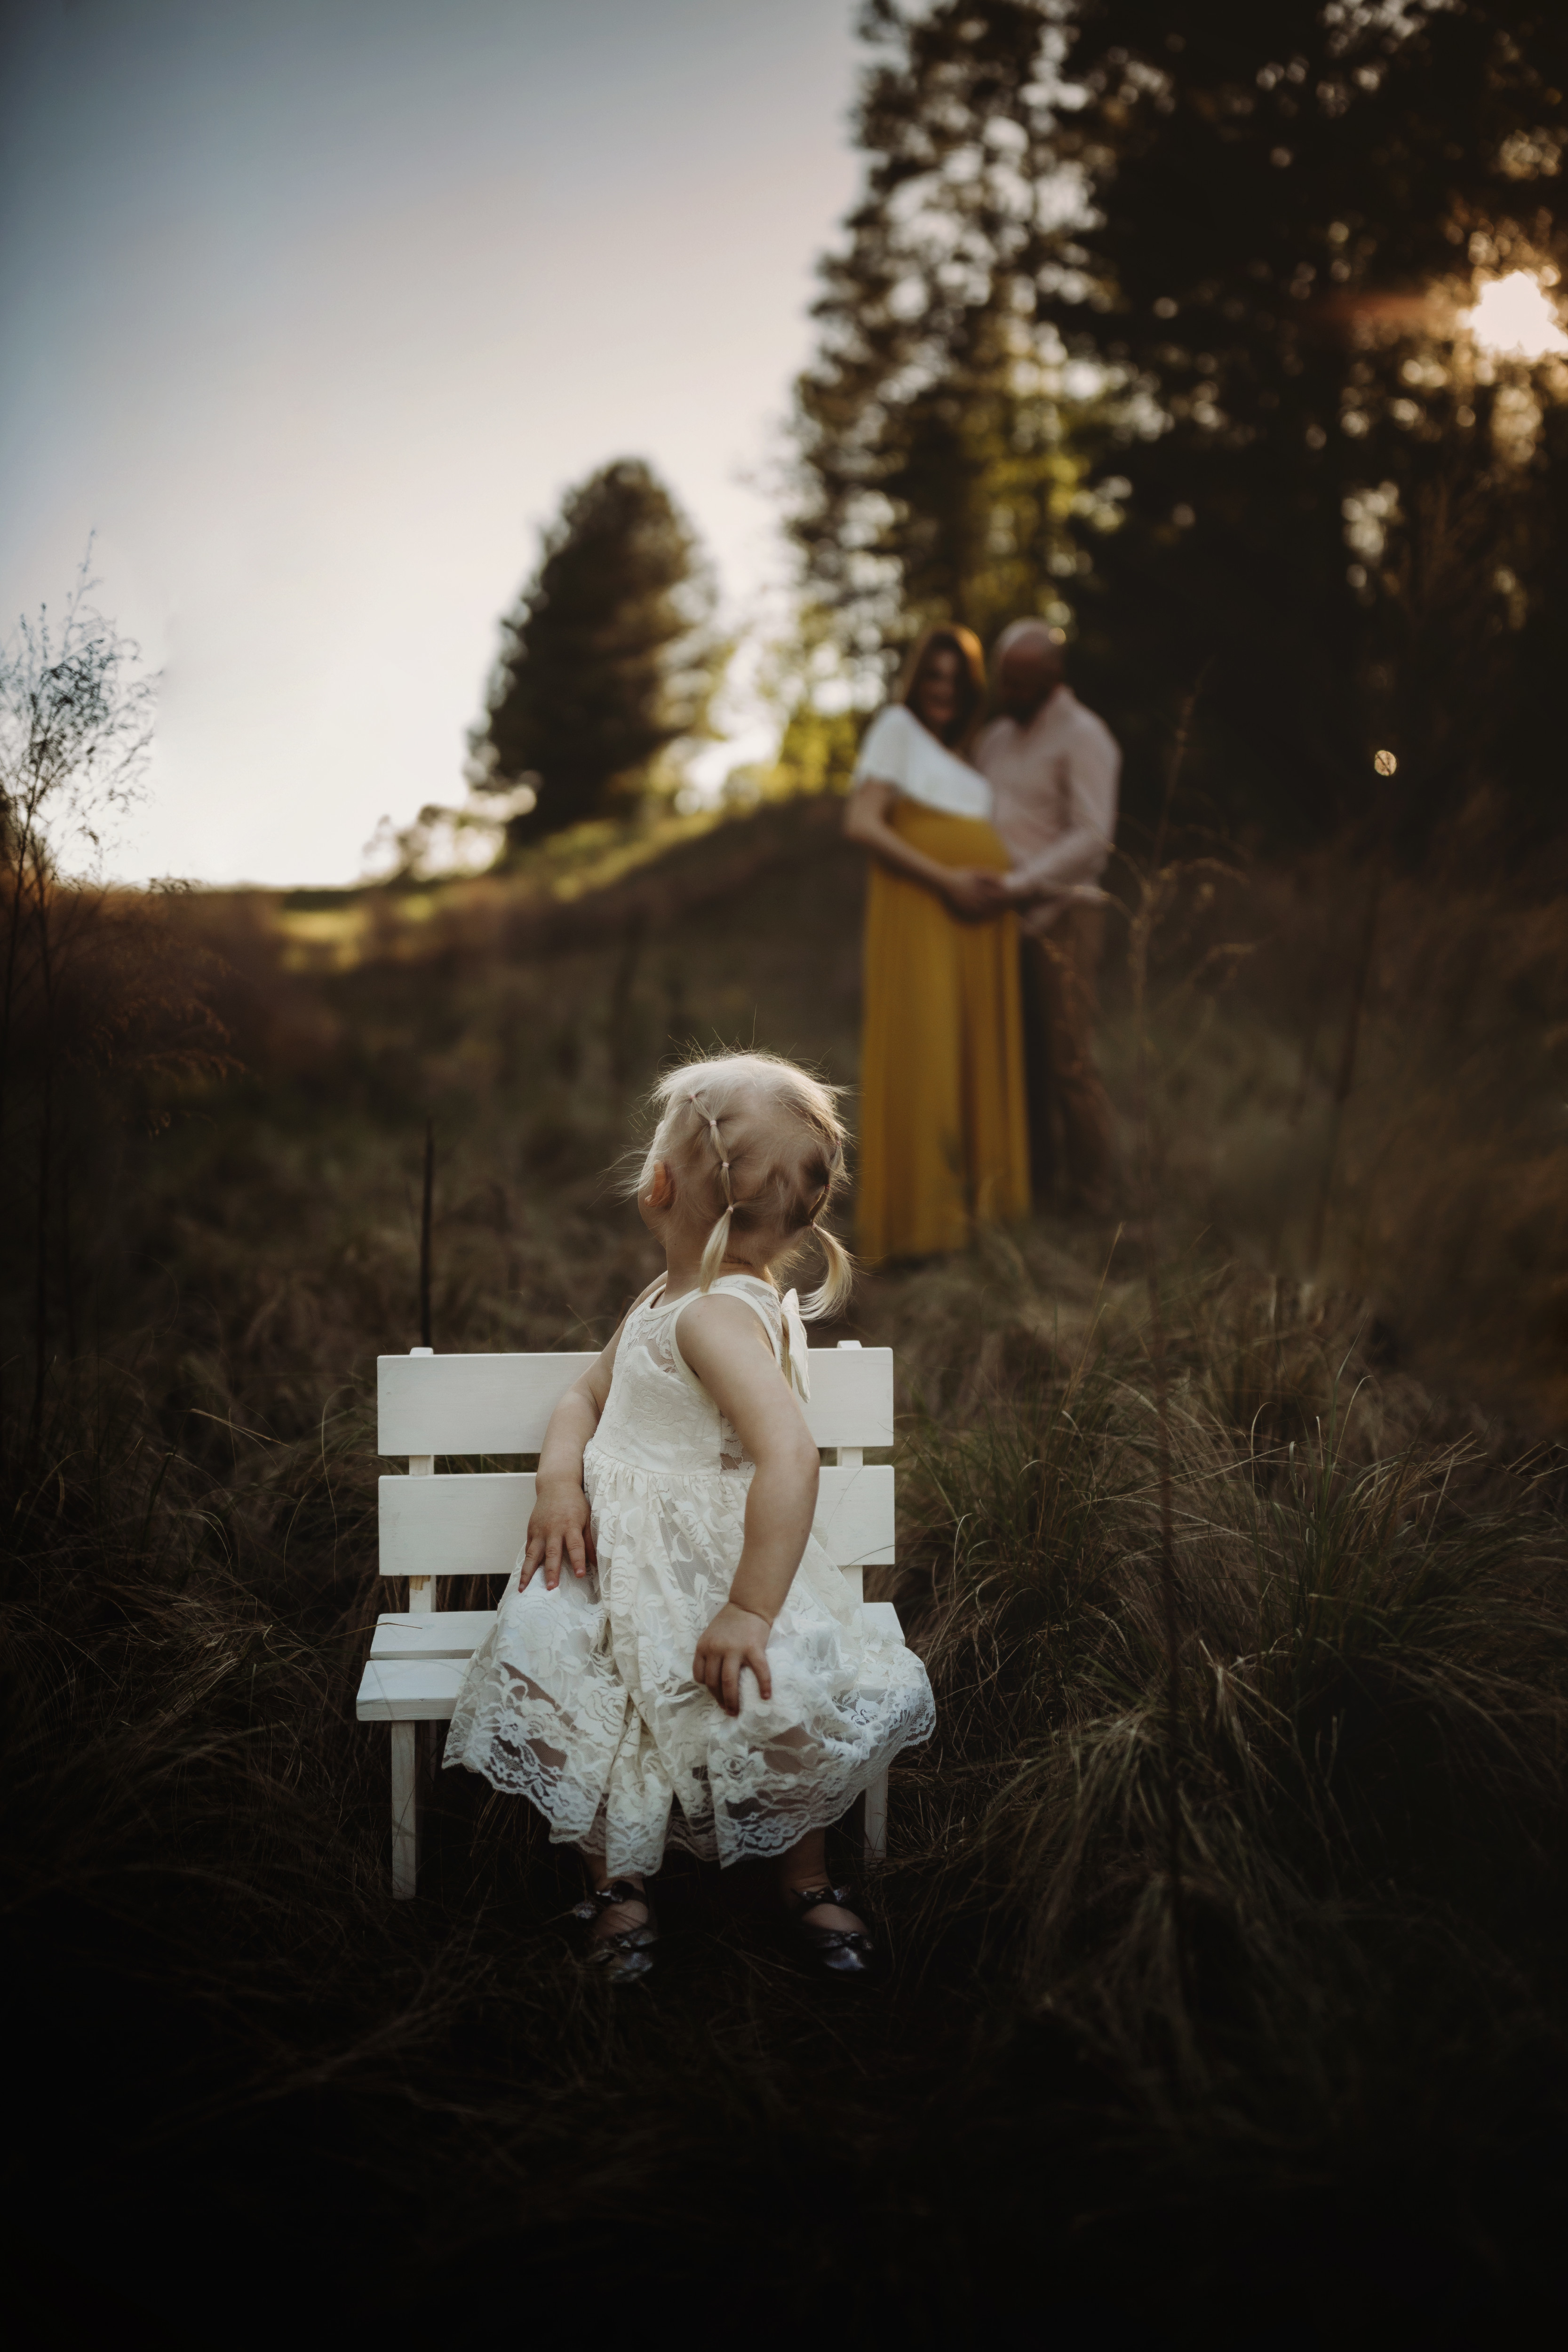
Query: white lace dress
point(582, 1700)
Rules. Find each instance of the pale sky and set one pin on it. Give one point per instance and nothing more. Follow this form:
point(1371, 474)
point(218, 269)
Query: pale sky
point(311, 309)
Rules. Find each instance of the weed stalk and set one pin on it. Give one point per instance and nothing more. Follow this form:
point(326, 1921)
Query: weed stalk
point(1152, 892)
point(1344, 1078)
point(424, 1209)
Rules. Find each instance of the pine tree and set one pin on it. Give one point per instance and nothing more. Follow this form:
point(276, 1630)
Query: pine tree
point(1322, 496)
point(609, 657)
point(935, 479)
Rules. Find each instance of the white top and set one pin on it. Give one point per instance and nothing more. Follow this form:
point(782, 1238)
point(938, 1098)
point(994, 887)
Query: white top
point(1055, 783)
point(899, 751)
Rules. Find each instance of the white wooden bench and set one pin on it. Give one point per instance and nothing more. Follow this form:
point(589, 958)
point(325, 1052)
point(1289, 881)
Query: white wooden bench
point(473, 1523)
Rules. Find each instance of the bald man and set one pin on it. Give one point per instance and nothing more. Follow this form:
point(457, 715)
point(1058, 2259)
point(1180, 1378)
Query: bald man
point(1054, 769)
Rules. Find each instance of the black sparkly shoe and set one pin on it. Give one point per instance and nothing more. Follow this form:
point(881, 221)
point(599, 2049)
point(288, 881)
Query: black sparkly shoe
point(626, 1953)
point(834, 1951)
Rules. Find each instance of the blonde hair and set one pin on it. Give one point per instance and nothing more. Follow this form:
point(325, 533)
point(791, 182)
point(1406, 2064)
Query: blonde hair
point(765, 1141)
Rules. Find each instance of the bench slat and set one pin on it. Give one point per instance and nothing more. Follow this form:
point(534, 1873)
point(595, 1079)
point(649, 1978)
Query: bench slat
point(473, 1524)
point(421, 1690)
point(500, 1404)
point(436, 1633)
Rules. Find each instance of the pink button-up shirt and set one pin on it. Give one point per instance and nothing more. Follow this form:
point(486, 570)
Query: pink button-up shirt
point(1054, 782)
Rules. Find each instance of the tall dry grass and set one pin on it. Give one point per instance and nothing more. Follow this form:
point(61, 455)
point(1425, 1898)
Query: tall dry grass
point(1372, 1611)
point(1332, 2071)
point(1447, 1199)
point(1367, 2013)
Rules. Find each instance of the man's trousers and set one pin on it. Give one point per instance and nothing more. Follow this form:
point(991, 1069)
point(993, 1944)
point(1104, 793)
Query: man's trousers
point(1070, 1115)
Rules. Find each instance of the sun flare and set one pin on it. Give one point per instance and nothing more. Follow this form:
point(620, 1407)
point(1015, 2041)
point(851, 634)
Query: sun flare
point(1515, 318)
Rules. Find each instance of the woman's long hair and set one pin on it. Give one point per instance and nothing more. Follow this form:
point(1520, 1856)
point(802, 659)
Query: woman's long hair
point(946, 636)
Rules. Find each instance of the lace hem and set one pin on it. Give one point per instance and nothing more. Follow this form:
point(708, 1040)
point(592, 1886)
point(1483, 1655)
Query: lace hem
point(499, 1746)
point(499, 1743)
point(624, 1755)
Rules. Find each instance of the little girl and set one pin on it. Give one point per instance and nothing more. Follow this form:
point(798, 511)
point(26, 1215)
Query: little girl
point(701, 1678)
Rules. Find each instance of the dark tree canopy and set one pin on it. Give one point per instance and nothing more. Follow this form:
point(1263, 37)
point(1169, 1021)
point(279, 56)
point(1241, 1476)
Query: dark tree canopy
point(609, 656)
point(935, 479)
point(1300, 480)
point(1349, 519)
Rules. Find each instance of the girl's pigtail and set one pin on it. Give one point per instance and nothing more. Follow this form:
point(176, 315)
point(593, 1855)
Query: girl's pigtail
point(714, 1254)
point(719, 1239)
point(837, 1281)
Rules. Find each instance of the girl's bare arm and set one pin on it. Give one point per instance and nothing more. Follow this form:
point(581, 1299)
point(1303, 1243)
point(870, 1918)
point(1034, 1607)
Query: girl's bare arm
point(558, 1526)
point(726, 1347)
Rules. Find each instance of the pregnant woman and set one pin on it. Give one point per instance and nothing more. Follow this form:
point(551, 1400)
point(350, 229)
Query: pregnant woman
point(943, 1116)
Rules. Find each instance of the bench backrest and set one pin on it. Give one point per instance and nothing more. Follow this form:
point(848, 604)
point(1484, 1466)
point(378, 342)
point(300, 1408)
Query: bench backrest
point(500, 1404)
point(472, 1523)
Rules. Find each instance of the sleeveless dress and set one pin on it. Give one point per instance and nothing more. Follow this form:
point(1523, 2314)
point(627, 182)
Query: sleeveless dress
point(583, 1699)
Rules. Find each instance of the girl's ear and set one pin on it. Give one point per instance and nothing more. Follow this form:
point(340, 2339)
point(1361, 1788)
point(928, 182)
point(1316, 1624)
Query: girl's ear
point(659, 1190)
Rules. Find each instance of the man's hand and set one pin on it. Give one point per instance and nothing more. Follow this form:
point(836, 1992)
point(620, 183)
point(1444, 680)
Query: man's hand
point(736, 1638)
point(559, 1530)
point(972, 895)
point(1058, 895)
point(995, 899)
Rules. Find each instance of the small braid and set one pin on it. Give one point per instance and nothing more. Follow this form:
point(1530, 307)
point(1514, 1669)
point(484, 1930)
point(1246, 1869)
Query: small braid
point(832, 1294)
point(718, 1241)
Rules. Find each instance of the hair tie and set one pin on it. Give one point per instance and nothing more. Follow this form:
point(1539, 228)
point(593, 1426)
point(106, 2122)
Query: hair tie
point(701, 1108)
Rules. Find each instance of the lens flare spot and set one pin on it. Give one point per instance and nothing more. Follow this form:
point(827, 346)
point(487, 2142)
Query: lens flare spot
point(1515, 318)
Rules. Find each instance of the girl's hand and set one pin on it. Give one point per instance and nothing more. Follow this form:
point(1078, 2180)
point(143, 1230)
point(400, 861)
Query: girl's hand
point(736, 1638)
point(559, 1530)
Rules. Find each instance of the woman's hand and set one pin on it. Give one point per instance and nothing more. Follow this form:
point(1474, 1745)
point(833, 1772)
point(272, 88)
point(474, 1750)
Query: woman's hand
point(970, 892)
point(867, 819)
point(559, 1530)
point(736, 1638)
point(973, 895)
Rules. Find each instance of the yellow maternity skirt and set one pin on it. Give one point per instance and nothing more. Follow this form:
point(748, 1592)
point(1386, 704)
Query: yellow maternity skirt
point(944, 1136)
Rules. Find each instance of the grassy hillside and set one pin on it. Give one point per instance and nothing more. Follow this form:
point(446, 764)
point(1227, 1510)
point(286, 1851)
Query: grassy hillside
point(1311, 2086)
point(528, 1013)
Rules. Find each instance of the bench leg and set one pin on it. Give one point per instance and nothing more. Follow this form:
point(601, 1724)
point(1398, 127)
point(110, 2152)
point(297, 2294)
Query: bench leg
point(877, 1820)
point(405, 1809)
